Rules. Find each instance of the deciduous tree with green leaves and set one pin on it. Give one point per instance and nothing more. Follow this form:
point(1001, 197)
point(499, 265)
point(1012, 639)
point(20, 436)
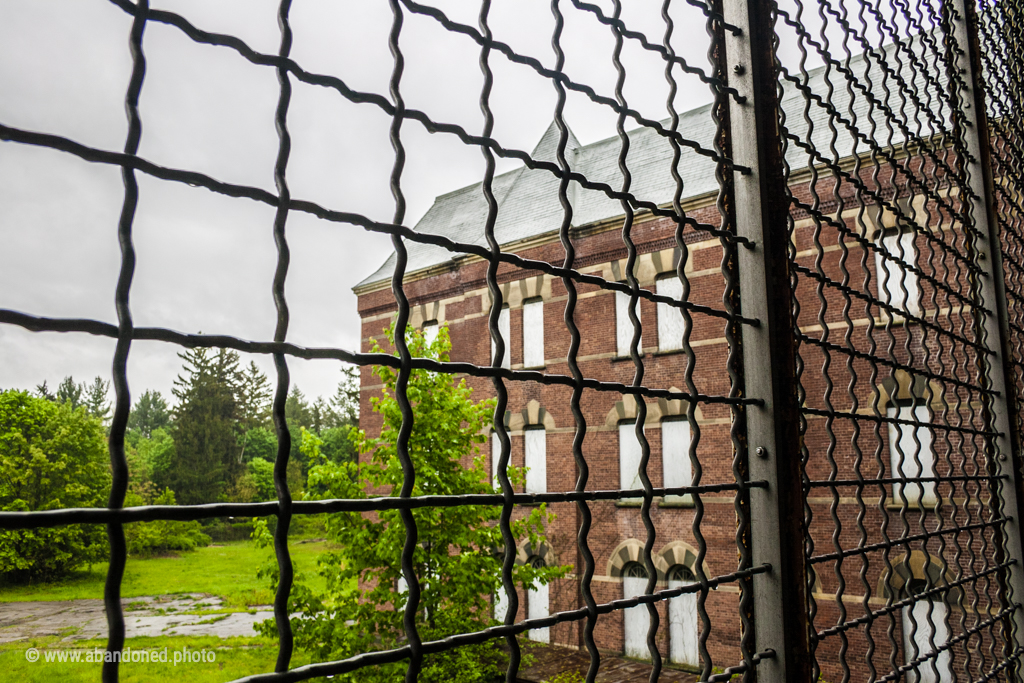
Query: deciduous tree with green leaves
point(51, 456)
point(457, 560)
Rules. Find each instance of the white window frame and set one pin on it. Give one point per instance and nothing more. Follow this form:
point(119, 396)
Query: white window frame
point(677, 469)
point(670, 319)
point(533, 334)
point(535, 457)
point(504, 329)
point(623, 326)
point(893, 277)
point(905, 465)
point(630, 454)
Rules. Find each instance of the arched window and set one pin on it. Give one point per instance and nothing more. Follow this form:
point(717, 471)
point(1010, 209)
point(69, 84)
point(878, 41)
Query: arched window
point(924, 630)
point(683, 627)
point(636, 620)
point(537, 603)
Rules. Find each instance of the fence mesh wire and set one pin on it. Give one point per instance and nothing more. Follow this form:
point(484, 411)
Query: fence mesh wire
point(905, 484)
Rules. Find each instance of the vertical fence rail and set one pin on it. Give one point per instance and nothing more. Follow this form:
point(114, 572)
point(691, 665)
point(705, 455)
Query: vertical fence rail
point(772, 429)
point(995, 368)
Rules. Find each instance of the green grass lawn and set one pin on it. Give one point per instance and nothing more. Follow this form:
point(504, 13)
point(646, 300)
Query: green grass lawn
point(233, 658)
point(227, 570)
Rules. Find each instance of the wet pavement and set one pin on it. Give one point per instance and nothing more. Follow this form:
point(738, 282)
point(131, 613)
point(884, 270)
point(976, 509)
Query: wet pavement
point(144, 616)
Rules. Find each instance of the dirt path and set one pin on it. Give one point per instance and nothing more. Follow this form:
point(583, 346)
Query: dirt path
point(145, 616)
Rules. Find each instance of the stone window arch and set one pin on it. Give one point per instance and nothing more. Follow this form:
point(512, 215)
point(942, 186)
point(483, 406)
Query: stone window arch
point(533, 414)
point(629, 551)
point(912, 571)
point(677, 554)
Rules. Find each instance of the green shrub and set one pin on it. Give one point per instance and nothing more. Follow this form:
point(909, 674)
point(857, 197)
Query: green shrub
point(149, 538)
point(51, 457)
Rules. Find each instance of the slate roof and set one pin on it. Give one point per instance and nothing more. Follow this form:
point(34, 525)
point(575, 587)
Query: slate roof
point(528, 202)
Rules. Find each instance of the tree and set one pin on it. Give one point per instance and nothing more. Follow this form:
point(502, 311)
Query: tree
point(51, 457)
point(254, 397)
point(149, 413)
point(342, 418)
point(96, 402)
point(43, 391)
point(69, 392)
point(206, 454)
point(152, 459)
point(296, 410)
point(455, 561)
point(148, 538)
point(345, 402)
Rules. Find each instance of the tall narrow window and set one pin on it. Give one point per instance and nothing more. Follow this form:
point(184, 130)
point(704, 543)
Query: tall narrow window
point(637, 620)
point(683, 630)
point(430, 330)
point(623, 326)
point(629, 458)
point(897, 284)
point(670, 318)
point(536, 460)
point(924, 630)
point(495, 458)
point(504, 330)
point(675, 457)
point(537, 604)
point(912, 455)
point(533, 334)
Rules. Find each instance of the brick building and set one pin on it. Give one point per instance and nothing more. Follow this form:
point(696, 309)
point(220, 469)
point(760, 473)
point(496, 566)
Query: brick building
point(864, 241)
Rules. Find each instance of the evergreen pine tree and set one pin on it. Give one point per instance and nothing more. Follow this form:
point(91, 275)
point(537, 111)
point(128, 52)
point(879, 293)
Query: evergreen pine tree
point(149, 413)
point(254, 397)
point(96, 403)
point(69, 392)
point(205, 423)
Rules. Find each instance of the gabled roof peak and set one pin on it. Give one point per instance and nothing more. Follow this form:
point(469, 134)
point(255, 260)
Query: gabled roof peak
point(547, 148)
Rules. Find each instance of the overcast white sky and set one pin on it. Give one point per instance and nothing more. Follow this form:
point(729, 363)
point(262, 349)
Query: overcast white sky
point(205, 262)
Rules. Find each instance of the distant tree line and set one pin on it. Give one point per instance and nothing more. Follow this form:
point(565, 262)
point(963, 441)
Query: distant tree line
point(218, 442)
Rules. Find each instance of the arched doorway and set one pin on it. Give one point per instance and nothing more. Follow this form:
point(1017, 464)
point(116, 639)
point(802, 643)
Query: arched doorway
point(636, 620)
point(537, 603)
point(683, 627)
point(924, 630)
